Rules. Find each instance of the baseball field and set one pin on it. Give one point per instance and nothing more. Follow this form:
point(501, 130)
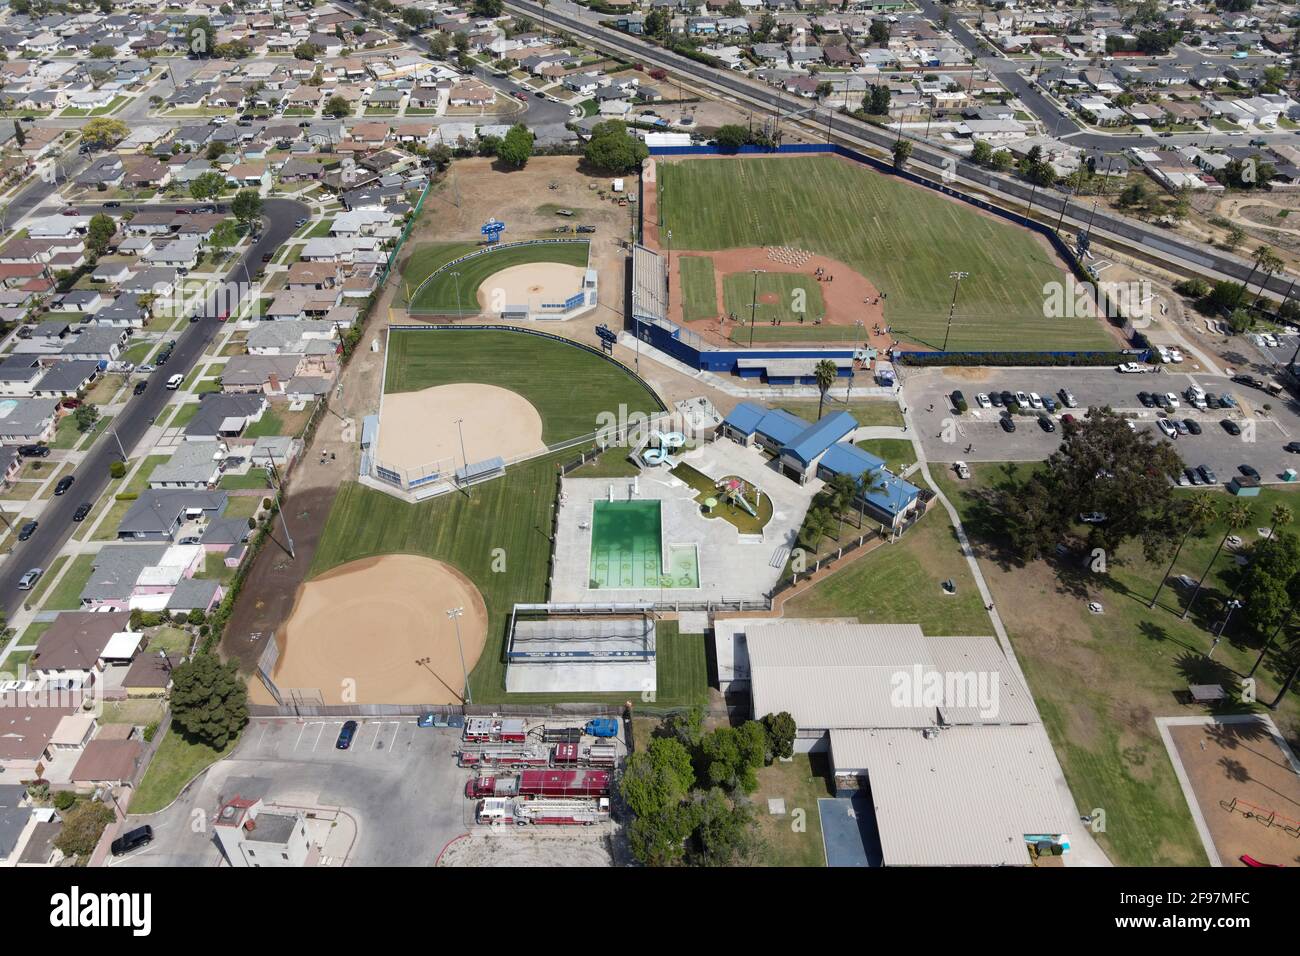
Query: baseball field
point(905, 240)
point(458, 294)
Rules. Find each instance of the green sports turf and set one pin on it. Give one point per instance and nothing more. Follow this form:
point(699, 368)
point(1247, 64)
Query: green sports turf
point(447, 294)
point(905, 239)
point(569, 386)
point(797, 296)
point(699, 293)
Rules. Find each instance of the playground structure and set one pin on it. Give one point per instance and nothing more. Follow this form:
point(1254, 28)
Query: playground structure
point(658, 449)
point(1266, 815)
point(733, 491)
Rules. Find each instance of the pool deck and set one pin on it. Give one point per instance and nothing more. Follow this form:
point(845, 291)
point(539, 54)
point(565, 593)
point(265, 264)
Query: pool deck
point(732, 566)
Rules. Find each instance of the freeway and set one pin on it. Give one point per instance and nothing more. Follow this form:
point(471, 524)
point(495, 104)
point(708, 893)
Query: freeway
point(131, 424)
point(1161, 243)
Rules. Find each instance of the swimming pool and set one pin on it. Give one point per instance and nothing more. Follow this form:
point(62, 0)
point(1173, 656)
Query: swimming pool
point(627, 549)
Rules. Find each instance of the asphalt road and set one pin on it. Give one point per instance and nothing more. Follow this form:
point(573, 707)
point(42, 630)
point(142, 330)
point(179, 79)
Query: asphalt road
point(1161, 243)
point(131, 424)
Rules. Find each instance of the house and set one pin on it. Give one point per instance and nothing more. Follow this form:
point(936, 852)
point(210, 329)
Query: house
point(95, 344)
point(114, 573)
point(27, 421)
point(289, 337)
point(126, 311)
point(107, 762)
point(251, 835)
point(160, 514)
point(224, 416)
point(150, 675)
point(268, 374)
point(19, 374)
point(72, 649)
point(25, 734)
point(194, 464)
point(66, 379)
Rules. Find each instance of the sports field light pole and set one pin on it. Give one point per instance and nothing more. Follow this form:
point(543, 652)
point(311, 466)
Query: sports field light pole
point(753, 306)
point(455, 276)
point(460, 430)
point(455, 613)
point(956, 284)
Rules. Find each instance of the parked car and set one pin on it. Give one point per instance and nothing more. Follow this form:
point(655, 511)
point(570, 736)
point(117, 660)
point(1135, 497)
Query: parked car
point(1250, 380)
point(1147, 399)
point(1022, 399)
point(1231, 427)
point(1046, 424)
point(1035, 400)
point(1193, 476)
point(1092, 517)
point(958, 400)
point(1167, 427)
point(346, 733)
point(140, 387)
point(1170, 400)
point(34, 451)
point(1008, 399)
point(1192, 425)
point(982, 400)
point(995, 398)
point(1207, 474)
point(1008, 423)
point(1068, 398)
point(1292, 446)
point(1049, 403)
point(81, 512)
point(962, 469)
point(586, 229)
point(29, 579)
point(64, 484)
point(132, 840)
point(27, 530)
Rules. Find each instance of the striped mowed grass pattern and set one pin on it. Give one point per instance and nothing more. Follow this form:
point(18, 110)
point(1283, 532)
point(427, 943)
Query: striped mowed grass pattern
point(699, 291)
point(569, 386)
point(905, 239)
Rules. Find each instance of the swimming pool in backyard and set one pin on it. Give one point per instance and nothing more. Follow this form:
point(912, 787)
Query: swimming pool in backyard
point(627, 549)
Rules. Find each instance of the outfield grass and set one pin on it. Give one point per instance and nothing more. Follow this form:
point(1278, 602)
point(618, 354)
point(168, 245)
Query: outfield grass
point(789, 298)
point(569, 386)
point(1101, 679)
point(904, 239)
point(699, 291)
point(448, 294)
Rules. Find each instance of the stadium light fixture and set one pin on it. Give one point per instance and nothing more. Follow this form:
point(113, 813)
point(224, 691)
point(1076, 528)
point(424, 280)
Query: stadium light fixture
point(956, 278)
point(454, 613)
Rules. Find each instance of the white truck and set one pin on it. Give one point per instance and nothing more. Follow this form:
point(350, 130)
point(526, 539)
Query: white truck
point(541, 811)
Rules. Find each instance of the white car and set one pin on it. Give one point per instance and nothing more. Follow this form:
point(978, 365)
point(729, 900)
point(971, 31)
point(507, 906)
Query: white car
point(963, 471)
point(1132, 426)
point(1022, 399)
point(1164, 354)
point(1092, 517)
point(1131, 368)
point(982, 400)
point(1171, 400)
point(1175, 356)
point(1167, 427)
point(1035, 400)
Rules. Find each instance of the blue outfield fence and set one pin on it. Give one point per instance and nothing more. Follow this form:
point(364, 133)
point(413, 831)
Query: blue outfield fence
point(672, 344)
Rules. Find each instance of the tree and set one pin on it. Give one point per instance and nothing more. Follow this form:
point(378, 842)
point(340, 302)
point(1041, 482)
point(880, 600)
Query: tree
point(780, 734)
point(102, 51)
point(1193, 515)
point(207, 186)
point(1234, 237)
point(209, 701)
point(660, 839)
point(103, 131)
point(1002, 160)
point(1266, 583)
point(611, 148)
point(731, 755)
point(1101, 466)
point(981, 152)
point(116, 469)
point(724, 834)
point(876, 100)
point(337, 106)
point(902, 152)
point(1266, 262)
point(878, 32)
point(83, 825)
point(488, 8)
point(99, 233)
point(224, 236)
point(246, 207)
point(1239, 516)
point(307, 51)
point(85, 416)
point(732, 136)
point(658, 778)
point(202, 37)
point(516, 146)
point(824, 373)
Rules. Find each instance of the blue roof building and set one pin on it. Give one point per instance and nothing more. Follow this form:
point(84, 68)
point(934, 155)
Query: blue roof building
point(771, 427)
point(816, 439)
point(890, 498)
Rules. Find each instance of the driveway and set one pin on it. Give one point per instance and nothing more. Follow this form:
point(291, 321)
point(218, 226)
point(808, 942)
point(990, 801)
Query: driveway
point(398, 781)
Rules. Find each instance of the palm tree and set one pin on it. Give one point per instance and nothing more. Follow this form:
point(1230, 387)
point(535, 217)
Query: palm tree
point(842, 489)
point(1199, 511)
point(1286, 619)
point(1238, 516)
point(825, 374)
point(1290, 679)
point(1265, 259)
point(1281, 515)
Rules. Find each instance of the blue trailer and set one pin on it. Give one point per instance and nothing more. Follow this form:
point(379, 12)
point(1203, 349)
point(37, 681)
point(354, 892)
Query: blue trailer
point(602, 727)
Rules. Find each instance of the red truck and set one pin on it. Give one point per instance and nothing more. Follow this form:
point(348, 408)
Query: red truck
point(597, 755)
point(522, 812)
point(542, 783)
point(503, 755)
point(494, 729)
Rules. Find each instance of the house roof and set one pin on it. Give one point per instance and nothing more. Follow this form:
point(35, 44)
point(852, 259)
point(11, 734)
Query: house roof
point(821, 435)
point(156, 510)
point(108, 760)
point(76, 640)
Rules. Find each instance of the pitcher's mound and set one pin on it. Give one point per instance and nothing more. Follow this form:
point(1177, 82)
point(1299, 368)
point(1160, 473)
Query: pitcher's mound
point(376, 631)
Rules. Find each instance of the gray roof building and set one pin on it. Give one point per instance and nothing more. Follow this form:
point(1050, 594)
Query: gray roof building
point(116, 569)
point(158, 512)
point(194, 464)
point(193, 593)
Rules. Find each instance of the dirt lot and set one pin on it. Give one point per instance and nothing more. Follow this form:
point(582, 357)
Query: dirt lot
point(528, 846)
point(1242, 761)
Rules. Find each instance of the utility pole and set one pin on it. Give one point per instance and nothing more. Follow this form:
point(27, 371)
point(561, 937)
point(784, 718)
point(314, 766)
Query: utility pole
point(956, 284)
point(279, 503)
point(455, 613)
point(120, 449)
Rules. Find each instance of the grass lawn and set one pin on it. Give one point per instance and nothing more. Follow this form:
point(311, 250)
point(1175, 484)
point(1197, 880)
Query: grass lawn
point(1101, 679)
point(699, 291)
point(796, 838)
point(102, 392)
point(66, 595)
point(898, 453)
point(173, 640)
point(242, 506)
point(107, 530)
point(569, 386)
point(33, 632)
point(782, 296)
point(177, 762)
point(278, 420)
point(34, 597)
point(900, 583)
point(139, 713)
point(256, 478)
point(843, 210)
point(89, 438)
point(16, 662)
point(66, 433)
point(611, 463)
point(744, 522)
point(448, 295)
point(136, 353)
point(185, 413)
point(214, 567)
point(867, 411)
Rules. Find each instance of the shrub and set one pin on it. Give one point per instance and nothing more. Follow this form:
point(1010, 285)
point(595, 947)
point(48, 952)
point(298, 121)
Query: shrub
point(150, 732)
point(117, 469)
point(64, 799)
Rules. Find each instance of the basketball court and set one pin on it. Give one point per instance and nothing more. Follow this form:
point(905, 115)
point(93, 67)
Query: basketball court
point(376, 631)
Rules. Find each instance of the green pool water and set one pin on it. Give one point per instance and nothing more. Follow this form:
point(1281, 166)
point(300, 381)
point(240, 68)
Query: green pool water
point(626, 549)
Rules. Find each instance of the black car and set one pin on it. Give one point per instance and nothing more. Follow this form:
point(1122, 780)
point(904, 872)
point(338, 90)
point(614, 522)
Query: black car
point(27, 530)
point(81, 512)
point(34, 451)
point(1231, 427)
point(112, 204)
point(995, 399)
point(64, 484)
point(140, 386)
point(1250, 380)
point(1193, 426)
point(162, 358)
point(958, 400)
point(346, 733)
point(1292, 446)
point(1147, 399)
point(1212, 400)
point(132, 840)
point(1046, 424)
point(1008, 399)
point(1008, 423)
point(1206, 474)
point(1248, 471)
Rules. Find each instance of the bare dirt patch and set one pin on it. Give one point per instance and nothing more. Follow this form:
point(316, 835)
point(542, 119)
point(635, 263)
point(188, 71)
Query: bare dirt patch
point(418, 429)
point(532, 284)
point(375, 631)
point(528, 846)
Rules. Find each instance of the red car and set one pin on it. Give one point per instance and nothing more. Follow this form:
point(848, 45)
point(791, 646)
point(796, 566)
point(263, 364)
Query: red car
point(522, 96)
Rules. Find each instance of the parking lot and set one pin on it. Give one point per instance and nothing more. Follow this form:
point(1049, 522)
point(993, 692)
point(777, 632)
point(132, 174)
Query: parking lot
point(399, 782)
point(978, 436)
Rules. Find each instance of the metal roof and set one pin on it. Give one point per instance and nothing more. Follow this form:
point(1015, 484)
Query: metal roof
point(963, 796)
point(818, 437)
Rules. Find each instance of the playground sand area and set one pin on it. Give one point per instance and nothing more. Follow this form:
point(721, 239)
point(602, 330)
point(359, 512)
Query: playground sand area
point(1242, 761)
point(376, 631)
point(418, 429)
point(533, 284)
